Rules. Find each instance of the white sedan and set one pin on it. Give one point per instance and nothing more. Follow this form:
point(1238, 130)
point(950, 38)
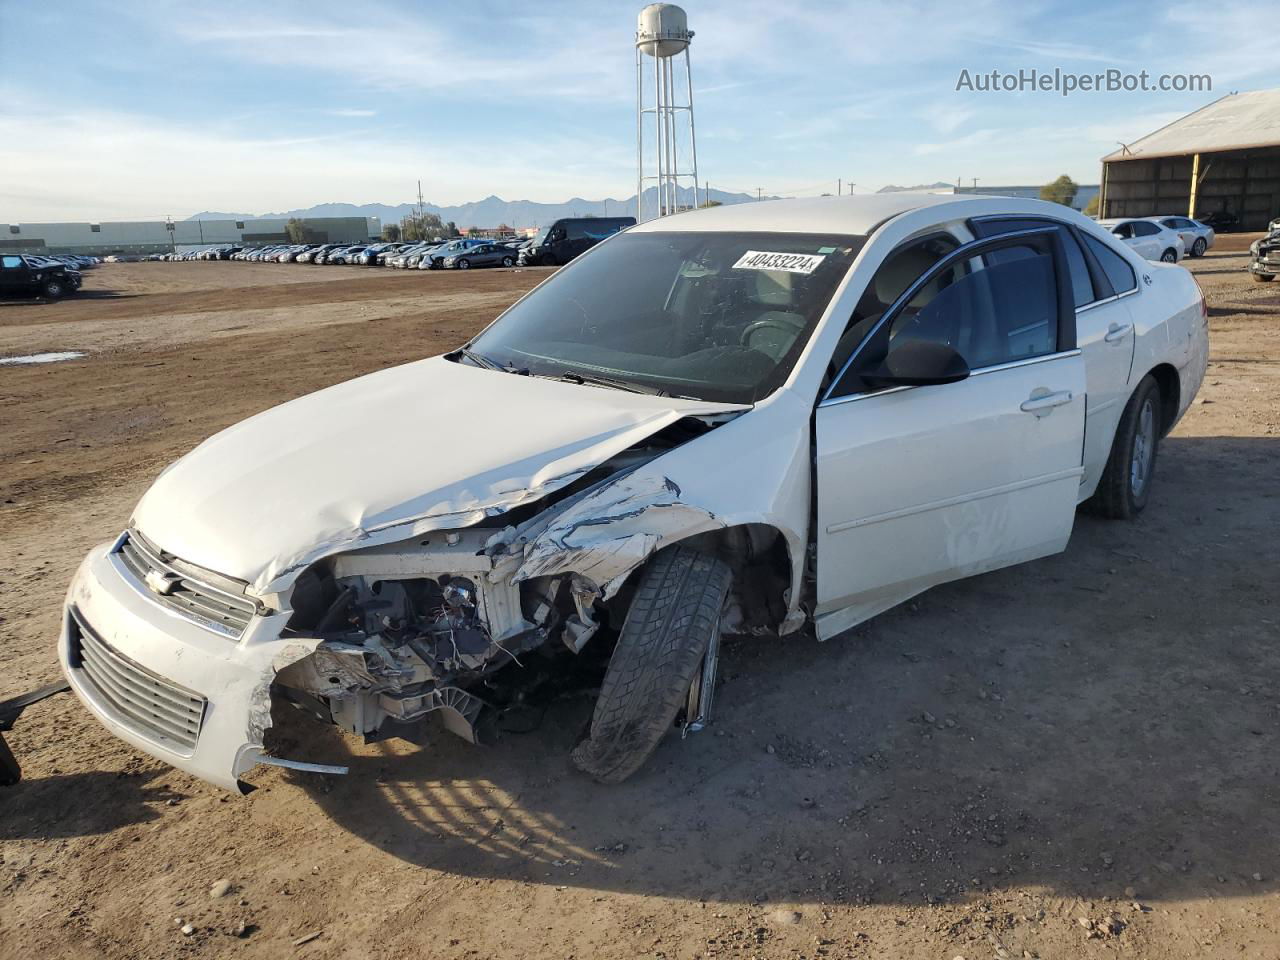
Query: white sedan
point(746, 420)
point(1150, 239)
point(1197, 237)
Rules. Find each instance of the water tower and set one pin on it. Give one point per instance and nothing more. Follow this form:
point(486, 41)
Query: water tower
point(666, 151)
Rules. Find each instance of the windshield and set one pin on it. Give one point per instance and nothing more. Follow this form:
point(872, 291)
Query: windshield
point(715, 316)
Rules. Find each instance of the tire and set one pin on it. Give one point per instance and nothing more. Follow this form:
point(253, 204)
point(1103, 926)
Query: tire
point(1125, 486)
point(1262, 277)
point(53, 289)
point(1169, 256)
point(673, 616)
point(463, 264)
point(1198, 248)
point(508, 262)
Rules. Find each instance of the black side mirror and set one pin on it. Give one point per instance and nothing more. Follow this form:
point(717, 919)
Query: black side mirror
point(918, 363)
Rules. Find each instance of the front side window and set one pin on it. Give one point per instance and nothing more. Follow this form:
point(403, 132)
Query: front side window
point(1116, 267)
point(1082, 288)
point(1123, 230)
point(11, 263)
point(1006, 311)
point(1144, 229)
point(716, 316)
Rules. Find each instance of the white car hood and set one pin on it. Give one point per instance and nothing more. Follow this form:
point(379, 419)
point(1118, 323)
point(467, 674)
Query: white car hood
point(425, 446)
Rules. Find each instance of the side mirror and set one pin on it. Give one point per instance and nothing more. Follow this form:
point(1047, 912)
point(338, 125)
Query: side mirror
point(918, 363)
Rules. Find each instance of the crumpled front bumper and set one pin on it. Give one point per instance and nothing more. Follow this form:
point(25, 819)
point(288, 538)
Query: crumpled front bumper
point(158, 648)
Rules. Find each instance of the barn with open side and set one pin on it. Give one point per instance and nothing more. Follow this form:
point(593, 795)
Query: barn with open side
point(1223, 158)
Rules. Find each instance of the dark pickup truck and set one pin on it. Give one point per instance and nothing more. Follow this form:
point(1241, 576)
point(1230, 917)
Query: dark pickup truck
point(22, 276)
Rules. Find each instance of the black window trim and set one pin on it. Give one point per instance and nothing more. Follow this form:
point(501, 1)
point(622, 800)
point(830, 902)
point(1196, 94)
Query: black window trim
point(1110, 286)
point(1066, 303)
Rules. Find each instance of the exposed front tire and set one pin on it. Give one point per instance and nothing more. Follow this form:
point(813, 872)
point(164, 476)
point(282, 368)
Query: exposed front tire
point(1126, 480)
point(673, 616)
point(54, 289)
point(508, 262)
point(1169, 256)
point(1198, 248)
point(463, 264)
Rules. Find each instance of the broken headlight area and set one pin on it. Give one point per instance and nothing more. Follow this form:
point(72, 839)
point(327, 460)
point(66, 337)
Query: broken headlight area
point(392, 635)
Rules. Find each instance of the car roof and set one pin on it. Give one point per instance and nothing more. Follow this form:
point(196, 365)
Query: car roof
point(849, 215)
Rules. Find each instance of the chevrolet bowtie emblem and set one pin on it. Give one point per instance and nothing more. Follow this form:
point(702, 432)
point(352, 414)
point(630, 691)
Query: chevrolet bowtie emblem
point(161, 583)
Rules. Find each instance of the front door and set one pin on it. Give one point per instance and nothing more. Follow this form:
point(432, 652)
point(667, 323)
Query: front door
point(918, 485)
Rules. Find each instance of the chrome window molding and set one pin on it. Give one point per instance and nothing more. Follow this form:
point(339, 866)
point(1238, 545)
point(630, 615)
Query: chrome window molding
point(981, 371)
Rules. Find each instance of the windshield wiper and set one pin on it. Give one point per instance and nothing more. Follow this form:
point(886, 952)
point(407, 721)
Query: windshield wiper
point(591, 379)
point(480, 360)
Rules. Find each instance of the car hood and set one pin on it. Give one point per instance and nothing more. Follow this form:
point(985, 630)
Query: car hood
point(425, 446)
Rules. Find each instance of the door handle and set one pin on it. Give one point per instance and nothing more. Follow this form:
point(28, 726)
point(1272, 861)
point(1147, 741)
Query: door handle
point(1045, 402)
point(1117, 332)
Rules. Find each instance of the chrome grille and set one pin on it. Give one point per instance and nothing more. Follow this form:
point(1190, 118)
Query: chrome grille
point(211, 600)
point(150, 706)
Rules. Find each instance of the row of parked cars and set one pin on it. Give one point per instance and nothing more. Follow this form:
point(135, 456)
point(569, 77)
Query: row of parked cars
point(555, 245)
point(1168, 239)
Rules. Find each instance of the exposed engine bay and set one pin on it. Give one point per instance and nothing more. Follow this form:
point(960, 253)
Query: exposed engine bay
point(421, 627)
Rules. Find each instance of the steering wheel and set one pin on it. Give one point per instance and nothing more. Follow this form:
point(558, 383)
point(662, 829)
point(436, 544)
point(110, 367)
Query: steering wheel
point(773, 334)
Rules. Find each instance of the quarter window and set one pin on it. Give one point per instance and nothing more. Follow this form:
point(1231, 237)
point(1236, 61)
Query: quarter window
point(1117, 269)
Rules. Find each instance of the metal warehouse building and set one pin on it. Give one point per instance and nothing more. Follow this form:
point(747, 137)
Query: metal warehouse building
point(1225, 157)
point(160, 236)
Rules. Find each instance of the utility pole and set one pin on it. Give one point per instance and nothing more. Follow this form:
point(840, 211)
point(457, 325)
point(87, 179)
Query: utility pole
point(839, 187)
point(758, 193)
point(975, 183)
point(851, 186)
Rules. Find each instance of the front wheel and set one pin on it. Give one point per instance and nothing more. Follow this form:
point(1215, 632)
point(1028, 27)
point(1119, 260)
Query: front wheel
point(464, 264)
point(53, 289)
point(1262, 277)
point(1198, 248)
point(673, 617)
point(1126, 480)
point(508, 262)
point(1169, 256)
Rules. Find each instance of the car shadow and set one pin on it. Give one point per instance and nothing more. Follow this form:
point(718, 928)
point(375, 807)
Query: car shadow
point(1095, 721)
point(83, 804)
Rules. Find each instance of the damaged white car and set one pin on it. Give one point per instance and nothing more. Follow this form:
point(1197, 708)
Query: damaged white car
point(739, 420)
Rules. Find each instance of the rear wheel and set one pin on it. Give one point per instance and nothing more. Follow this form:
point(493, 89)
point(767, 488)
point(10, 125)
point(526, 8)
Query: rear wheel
point(1198, 248)
point(1169, 256)
point(1126, 480)
point(673, 616)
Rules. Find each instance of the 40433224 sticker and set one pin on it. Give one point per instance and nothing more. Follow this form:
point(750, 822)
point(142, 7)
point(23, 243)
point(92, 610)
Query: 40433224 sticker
point(785, 262)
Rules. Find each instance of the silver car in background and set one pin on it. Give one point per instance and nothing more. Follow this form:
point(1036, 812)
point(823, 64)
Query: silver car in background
point(1198, 237)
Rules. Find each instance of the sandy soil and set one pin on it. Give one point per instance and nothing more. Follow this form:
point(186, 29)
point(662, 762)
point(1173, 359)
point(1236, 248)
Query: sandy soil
point(1072, 758)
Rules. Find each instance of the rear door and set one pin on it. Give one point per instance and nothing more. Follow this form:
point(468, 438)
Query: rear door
point(920, 485)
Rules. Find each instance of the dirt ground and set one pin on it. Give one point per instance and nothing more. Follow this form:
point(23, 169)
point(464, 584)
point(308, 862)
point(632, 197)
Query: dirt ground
point(1077, 757)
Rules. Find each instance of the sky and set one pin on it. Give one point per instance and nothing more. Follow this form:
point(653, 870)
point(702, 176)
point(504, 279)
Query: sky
point(147, 109)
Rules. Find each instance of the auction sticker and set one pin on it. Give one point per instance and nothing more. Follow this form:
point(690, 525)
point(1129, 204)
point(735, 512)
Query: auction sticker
point(786, 262)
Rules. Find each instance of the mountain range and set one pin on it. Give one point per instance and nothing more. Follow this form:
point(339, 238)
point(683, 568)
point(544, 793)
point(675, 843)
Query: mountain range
point(489, 212)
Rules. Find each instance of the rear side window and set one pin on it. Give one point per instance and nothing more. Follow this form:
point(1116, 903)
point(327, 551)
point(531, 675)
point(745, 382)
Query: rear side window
point(1116, 267)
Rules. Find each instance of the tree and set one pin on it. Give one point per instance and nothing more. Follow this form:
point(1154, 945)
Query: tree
point(1063, 191)
point(451, 229)
point(1091, 208)
point(391, 232)
point(296, 230)
point(711, 203)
